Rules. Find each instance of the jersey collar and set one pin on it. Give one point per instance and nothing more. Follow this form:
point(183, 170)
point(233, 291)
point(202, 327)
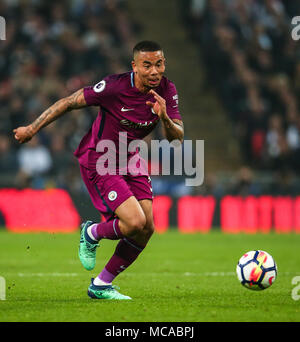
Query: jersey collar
point(132, 79)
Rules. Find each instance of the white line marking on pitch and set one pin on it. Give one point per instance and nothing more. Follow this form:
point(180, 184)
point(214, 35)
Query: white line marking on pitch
point(54, 274)
point(186, 274)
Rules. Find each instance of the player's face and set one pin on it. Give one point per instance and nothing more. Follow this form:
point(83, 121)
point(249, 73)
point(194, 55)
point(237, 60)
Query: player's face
point(149, 68)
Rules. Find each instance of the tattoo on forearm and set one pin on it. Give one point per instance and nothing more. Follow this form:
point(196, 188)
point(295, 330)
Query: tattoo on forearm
point(173, 129)
point(74, 101)
point(41, 118)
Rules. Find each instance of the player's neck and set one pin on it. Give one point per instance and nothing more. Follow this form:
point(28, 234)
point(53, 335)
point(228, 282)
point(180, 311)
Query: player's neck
point(139, 84)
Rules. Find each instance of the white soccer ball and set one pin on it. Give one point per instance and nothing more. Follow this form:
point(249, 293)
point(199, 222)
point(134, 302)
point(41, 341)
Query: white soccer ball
point(256, 270)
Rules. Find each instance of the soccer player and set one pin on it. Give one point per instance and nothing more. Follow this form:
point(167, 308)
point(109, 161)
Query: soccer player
point(131, 103)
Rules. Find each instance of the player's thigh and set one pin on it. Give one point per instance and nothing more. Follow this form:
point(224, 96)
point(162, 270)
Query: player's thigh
point(112, 196)
point(131, 216)
point(141, 187)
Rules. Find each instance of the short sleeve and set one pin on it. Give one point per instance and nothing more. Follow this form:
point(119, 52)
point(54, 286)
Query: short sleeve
point(98, 94)
point(171, 98)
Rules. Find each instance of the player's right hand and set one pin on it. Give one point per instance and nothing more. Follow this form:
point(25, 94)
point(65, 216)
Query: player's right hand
point(23, 134)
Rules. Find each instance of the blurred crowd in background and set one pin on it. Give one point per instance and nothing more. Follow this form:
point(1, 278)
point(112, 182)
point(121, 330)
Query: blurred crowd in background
point(254, 64)
point(53, 48)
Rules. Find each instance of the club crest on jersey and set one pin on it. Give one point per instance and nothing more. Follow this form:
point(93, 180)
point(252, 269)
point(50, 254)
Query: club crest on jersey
point(99, 86)
point(112, 195)
point(132, 124)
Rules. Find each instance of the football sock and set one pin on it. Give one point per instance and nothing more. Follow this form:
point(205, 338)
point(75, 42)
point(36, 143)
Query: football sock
point(125, 254)
point(106, 230)
point(90, 234)
point(98, 282)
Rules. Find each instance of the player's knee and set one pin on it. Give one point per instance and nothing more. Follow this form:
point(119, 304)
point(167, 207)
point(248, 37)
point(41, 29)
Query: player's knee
point(137, 224)
point(149, 229)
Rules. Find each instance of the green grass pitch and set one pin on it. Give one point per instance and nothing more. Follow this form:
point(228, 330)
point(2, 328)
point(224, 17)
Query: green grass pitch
point(178, 278)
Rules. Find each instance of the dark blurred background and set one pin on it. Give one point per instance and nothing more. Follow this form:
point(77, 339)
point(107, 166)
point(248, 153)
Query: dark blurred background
point(234, 62)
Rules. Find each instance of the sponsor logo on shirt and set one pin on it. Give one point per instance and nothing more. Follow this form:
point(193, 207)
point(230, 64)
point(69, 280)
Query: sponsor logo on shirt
point(128, 123)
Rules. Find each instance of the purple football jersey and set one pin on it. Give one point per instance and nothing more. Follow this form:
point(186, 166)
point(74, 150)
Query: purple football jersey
point(122, 109)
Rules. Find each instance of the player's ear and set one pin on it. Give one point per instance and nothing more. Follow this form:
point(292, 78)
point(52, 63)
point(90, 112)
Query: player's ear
point(133, 65)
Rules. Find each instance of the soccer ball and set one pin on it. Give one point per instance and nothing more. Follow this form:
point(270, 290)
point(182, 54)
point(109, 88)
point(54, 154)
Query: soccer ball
point(256, 270)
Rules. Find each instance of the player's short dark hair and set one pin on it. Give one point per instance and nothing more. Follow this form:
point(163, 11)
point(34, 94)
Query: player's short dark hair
point(146, 46)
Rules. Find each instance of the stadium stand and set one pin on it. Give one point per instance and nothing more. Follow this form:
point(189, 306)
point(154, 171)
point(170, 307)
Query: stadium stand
point(248, 56)
point(51, 50)
point(253, 62)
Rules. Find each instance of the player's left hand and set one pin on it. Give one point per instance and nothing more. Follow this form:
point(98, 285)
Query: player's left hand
point(159, 107)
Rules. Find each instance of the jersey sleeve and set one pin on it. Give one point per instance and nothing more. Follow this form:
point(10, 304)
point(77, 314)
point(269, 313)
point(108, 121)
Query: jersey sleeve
point(99, 93)
point(171, 98)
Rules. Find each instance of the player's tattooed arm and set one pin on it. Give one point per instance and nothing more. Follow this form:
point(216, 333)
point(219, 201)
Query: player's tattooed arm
point(64, 105)
point(173, 128)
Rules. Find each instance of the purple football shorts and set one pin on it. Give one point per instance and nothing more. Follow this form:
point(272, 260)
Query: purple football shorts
point(109, 191)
